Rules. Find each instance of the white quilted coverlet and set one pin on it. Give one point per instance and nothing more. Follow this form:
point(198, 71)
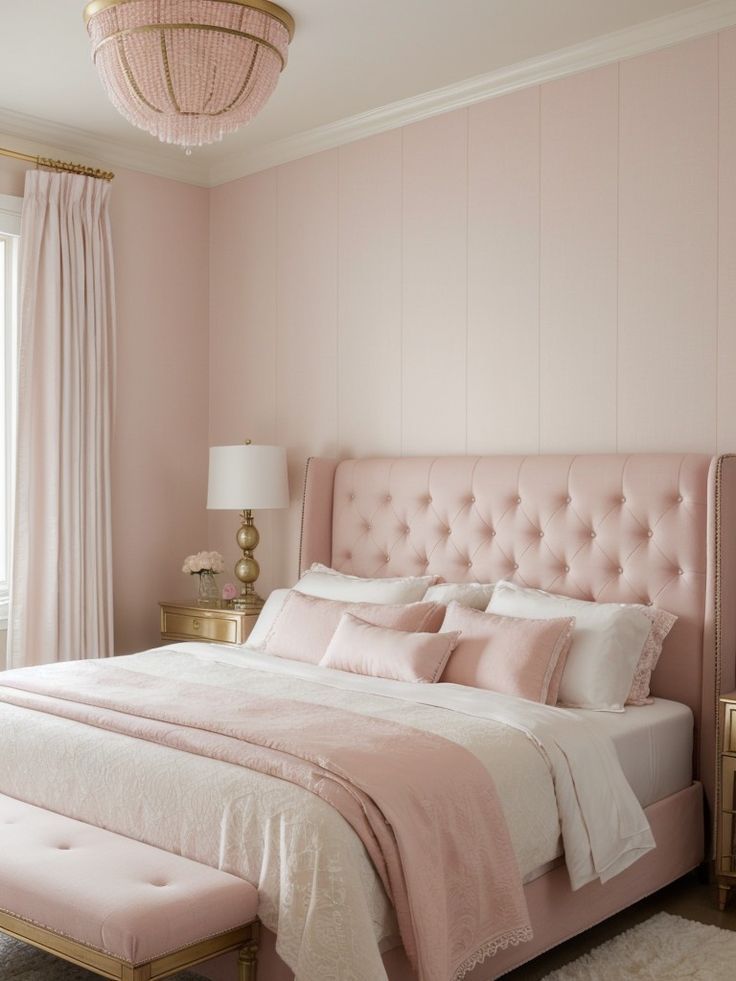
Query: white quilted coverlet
point(318, 890)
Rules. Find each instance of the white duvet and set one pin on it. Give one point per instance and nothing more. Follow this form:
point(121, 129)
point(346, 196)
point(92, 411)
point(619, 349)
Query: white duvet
point(558, 777)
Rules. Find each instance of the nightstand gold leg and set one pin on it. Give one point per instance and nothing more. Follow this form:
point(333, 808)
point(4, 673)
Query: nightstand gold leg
point(723, 894)
point(248, 961)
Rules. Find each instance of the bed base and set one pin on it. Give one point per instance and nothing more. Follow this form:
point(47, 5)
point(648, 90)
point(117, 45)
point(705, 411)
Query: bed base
point(557, 913)
point(677, 825)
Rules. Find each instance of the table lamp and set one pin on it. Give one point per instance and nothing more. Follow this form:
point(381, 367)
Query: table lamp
point(246, 478)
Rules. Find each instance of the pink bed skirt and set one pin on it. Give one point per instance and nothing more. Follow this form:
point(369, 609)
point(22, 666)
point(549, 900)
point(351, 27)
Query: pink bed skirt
point(556, 912)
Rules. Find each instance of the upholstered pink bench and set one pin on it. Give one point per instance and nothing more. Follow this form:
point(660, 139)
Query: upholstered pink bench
point(117, 907)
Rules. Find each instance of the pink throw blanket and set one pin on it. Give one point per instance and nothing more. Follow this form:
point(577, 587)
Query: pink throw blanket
point(425, 808)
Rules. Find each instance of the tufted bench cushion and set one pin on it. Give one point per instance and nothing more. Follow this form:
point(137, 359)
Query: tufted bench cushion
point(127, 899)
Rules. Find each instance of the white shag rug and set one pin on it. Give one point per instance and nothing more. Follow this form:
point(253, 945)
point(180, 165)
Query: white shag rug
point(21, 963)
point(663, 948)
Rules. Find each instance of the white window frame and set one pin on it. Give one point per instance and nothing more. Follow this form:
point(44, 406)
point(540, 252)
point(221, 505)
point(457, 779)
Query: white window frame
point(10, 210)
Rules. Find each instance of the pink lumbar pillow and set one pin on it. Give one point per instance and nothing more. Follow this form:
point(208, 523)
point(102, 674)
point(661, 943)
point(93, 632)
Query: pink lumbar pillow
point(382, 652)
point(305, 624)
point(511, 655)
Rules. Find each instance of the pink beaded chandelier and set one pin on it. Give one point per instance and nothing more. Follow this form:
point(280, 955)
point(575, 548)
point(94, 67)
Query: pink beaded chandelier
point(188, 71)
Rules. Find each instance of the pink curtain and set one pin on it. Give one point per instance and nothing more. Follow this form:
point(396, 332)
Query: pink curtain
point(61, 576)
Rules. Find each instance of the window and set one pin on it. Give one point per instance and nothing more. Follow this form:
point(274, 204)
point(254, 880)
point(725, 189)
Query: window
point(9, 239)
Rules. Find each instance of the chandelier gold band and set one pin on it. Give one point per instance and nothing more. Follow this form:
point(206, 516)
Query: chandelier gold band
point(170, 84)
point(265, 6)
point(167, 73)
point(147, 28)
point(141, 97)
point(130, 78)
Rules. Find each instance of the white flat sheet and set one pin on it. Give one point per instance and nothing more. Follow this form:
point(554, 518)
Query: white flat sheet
point(654, 744)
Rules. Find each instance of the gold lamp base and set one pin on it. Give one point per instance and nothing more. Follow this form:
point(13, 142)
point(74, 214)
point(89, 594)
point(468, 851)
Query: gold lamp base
point(248, 602)
point(246, 568)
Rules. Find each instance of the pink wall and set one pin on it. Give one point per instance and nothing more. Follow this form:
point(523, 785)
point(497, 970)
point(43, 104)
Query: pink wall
point(160, 443)
point(547, 271)
point(12, 175)
point(160, 451)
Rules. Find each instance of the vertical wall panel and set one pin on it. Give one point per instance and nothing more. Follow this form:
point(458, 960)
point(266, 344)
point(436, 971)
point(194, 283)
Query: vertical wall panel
point(306, 375)
point(727, 246)
point(243, 291)
point(369, 363)
point(159, 447)
point(243, 311)
point(430, 283)
point(668, 234)
point(578, 283)
point(503, 275)
point(435, 285)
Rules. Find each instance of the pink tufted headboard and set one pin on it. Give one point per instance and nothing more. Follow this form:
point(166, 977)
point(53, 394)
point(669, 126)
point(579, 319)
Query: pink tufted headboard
point(650, 528)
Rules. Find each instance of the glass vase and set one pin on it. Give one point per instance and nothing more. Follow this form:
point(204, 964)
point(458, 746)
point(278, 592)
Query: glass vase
point(207, 592)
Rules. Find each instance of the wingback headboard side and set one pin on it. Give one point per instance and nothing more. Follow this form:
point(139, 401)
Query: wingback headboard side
point(656, 529)
point(719, 660)
point(315, 543)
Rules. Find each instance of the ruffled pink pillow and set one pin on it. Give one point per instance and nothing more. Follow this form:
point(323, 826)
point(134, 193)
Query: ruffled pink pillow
point(511, 655)
point(381, 652)
point(662, 623)
point(305, 624)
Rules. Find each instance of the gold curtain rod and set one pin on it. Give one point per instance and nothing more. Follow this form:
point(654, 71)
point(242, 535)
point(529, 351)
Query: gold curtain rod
point(61, 165)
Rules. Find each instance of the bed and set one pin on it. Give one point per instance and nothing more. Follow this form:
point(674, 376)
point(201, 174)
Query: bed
point(494, 508)
point(647, 529)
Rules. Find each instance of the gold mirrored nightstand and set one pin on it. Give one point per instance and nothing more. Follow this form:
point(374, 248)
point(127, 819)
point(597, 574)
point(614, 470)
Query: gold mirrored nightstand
point(214, 625)
point(726, 826)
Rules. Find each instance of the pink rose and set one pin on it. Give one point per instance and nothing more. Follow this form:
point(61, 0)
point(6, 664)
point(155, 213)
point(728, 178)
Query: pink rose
point(229, 591)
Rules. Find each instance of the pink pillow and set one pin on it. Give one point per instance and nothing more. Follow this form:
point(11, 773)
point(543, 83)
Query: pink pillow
point(382, 652)
point(662, 623)
point(304, 627)
point(508, 654)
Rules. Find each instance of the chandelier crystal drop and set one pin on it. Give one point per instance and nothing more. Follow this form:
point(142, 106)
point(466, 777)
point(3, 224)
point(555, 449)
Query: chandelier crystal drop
point(188, 71)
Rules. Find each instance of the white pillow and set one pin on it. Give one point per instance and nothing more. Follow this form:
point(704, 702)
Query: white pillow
point(327, 583)
point(606, 645)
point(271, 609)
point(476, 595)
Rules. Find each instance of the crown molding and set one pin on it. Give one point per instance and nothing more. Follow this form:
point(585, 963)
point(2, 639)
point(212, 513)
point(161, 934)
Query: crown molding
point(47, 138)
point(663, 32)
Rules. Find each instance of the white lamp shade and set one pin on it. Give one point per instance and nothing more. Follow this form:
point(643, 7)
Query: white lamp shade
point(247, 477)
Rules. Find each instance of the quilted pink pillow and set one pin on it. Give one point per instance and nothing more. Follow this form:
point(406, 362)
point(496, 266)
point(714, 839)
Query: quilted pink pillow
point(662, 623)
point(305, 624)
point(381, 652)
point(511, 655)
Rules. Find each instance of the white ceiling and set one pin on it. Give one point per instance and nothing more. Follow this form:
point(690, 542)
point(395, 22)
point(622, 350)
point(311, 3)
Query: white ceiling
point(348, 57)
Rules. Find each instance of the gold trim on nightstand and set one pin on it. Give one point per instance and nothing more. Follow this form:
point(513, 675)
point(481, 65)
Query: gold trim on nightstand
point(726, 818)
point(729, 727)
point(212, 625)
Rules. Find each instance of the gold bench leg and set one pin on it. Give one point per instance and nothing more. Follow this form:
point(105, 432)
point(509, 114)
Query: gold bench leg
point(248, 961)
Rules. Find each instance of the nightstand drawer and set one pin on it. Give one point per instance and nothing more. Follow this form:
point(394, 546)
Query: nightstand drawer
point(727, 851)
point(221, 629)
point(215, 625)
point(729, 728)
point(726, 823)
